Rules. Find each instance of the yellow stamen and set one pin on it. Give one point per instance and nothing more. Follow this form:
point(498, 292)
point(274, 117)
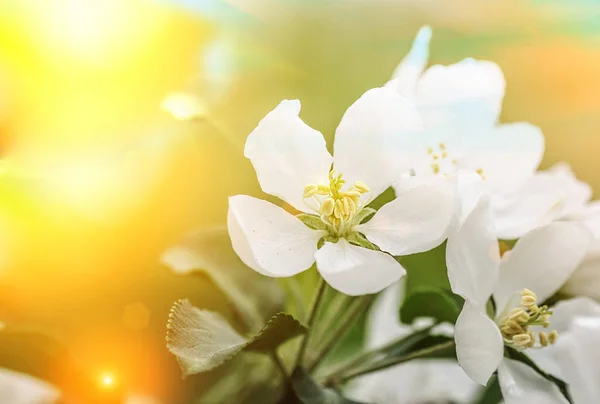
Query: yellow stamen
point(328, 206)
point(309, 191)
point(361, 187)
point(553, 336)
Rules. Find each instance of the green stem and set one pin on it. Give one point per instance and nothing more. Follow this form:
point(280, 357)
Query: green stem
point(338, 380)
point(310, 320)
point(368, 355)
point(294, 289)
point(345, 323)
point(279, 364)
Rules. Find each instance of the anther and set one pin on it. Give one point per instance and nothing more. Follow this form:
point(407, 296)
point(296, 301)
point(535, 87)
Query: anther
point(543, 338)
point(553, 336)
point(521, 340)
point(328, 206)
point(338, 210)
point(528, 301)
point(310, 190)
point(442, 146)
point(435, 168)
point(323, 190)
point(361, 187)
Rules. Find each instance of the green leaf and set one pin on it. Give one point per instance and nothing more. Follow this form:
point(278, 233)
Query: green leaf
point(201, 340)
point(426, 269)
point(309, 392)
point(255, 297)
point(521, 357)
point(245, 379)
point(280, 328)
point(312, 221)
point(437, 303)
point(491, 393)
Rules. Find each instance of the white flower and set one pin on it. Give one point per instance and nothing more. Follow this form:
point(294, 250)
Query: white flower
point(292, 163)
point(532, 271)
point(418, 381)
point(460, 105)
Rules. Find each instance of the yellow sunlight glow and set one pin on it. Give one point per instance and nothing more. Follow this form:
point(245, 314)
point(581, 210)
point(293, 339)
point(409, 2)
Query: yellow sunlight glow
point(94, 30)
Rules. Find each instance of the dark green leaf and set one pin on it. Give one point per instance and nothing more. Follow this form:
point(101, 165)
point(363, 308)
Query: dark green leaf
point(490, 394)
point(202, 340)
point(521, 357)
point(437, 303)
point(309, 392)
point(280, 328)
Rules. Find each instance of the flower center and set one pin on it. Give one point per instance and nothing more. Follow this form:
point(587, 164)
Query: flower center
point(514, 326)
point(443, 163)
point(335, 207)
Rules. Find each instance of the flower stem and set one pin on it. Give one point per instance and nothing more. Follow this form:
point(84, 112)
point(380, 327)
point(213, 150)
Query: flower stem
point(349, 318)
point(368, 355)
point(279, 364)
point(310, 320)
point(334, 380)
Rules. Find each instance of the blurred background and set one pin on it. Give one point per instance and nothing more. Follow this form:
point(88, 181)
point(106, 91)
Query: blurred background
point(97, 180)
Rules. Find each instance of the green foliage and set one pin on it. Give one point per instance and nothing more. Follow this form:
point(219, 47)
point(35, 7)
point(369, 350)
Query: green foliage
point(437, 303)
point(202, 340)
point(426, 269)
point(310, 392)
point(491, 393)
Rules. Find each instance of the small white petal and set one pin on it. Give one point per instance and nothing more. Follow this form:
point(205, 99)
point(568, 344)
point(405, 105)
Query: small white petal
point(519, 384)
point(508, 155)
point(542, 261)
point(473, 256)
point(406, 75)
point(287, 154)
point(466, 96)
point(376, 139)
point(579, 358)
point(470, 188)
point(355, 270)
point(479, 345)
point(268, 239)
point(416, 221)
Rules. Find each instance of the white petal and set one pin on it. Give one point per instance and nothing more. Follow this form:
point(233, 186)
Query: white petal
point(542, 261)
point(287, 154)
point(407, 74)
point(268, 239)
point(508, 154)
point(376, 138)
point(416, 221)
point(472, 256)
point(564, 314)
point(419, 381)
point(466, 96)
point(585, 281)
point(479, 345)
point(355, 270)
point(519, 384)
point(579, 358)
point(470, 188)
point(576, 193)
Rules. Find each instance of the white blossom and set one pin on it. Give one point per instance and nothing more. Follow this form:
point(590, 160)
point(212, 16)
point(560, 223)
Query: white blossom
point(292, 163)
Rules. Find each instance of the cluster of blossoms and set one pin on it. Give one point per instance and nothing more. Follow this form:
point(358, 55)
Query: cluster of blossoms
point(520, 251)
